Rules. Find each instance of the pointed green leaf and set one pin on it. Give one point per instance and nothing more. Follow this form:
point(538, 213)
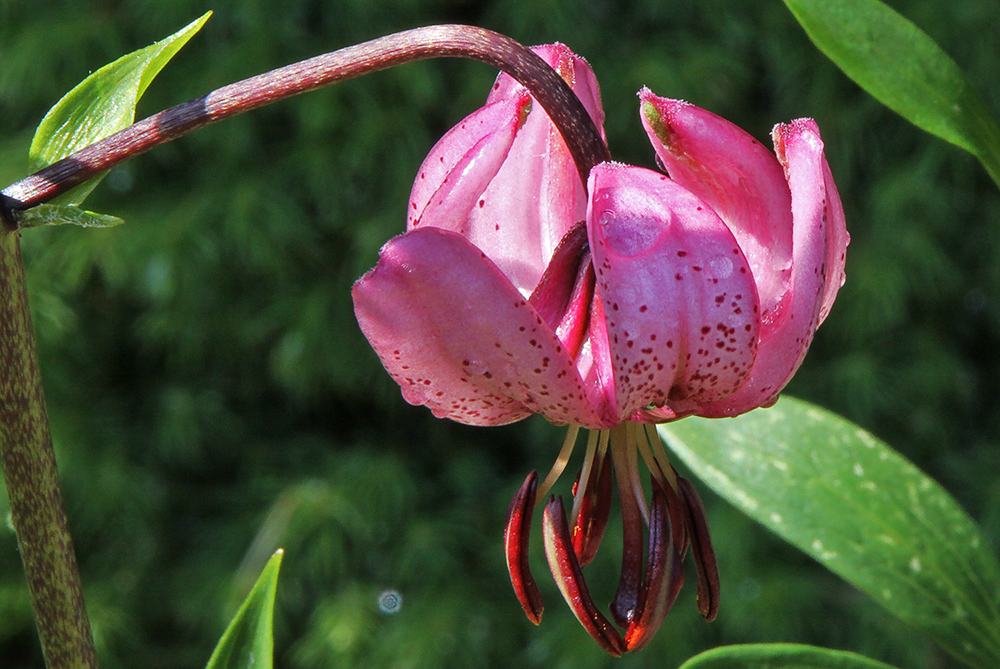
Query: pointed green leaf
point(101, 105)
point(903, 68)
point(861, 509)
point(780, 656)
point(248, 641)
point(62, 214)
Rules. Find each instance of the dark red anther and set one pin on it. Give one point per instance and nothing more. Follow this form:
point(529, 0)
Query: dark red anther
point(701, 545)
point(595, 509)
point(664, 573)
point(566, 571)
point(627, 596)
point(515, 540)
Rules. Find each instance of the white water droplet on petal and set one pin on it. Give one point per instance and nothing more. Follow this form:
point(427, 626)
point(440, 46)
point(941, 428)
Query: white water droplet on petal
point(414, 394)
point(628, 237)
point(476, 367)
point(721, 267)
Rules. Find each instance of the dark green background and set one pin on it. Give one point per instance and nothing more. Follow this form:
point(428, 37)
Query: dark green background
point(212, 398)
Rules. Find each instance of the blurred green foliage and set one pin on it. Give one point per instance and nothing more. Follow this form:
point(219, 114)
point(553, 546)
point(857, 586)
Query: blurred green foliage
point(212, 398)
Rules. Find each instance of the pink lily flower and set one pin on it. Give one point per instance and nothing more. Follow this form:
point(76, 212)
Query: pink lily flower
point(639, 299)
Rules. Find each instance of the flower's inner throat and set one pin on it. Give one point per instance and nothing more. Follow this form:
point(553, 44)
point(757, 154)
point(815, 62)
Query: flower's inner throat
point(674, 517)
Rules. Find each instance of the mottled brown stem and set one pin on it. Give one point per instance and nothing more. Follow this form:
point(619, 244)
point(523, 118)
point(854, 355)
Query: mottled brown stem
point(552, 93)
point(29, 469)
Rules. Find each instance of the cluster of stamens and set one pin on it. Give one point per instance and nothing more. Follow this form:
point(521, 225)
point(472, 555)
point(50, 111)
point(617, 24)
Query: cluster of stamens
point(674, 516)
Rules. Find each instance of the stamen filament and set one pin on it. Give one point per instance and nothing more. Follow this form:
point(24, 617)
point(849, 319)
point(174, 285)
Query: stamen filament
point(588, 463)
point(560, 464)
point(602, 446)
point(642, 443)
point(661, 456)
point(634, 482)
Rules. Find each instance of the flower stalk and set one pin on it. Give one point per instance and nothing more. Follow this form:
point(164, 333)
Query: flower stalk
point(551, 92)
point(38, 514)
point(29, 466)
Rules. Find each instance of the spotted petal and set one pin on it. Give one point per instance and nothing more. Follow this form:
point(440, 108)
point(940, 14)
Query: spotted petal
point(678, 295)
point(736, 175)
point(819, 243)
point(537, 196)
point(458, 337)
point(461, 165)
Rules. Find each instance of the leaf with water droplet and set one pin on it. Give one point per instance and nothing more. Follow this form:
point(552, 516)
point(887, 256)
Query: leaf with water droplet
point(861, 509)
point(65, 214)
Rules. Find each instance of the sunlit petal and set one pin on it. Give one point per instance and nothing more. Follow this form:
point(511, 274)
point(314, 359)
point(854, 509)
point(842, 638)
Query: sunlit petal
point(735, 175)
point(679, 298)
point(819, 245)
point(459, 338)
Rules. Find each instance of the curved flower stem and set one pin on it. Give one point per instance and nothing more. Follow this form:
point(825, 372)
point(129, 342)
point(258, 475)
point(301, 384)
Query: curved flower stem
point(29, 468)
point(25, 441)
point(548, 88)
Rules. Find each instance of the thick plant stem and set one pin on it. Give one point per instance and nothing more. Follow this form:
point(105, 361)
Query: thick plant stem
point(457, 41)
point(29, 470)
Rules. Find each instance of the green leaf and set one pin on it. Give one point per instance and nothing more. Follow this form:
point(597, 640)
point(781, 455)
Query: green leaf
point(248, 641)
point(849, 500)
point(61, 214)
point(905, 69)
point(101, 105)
point(780, 656)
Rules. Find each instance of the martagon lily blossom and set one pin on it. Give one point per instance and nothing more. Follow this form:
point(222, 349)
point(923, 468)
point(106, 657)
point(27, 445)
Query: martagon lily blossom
point(636, 299)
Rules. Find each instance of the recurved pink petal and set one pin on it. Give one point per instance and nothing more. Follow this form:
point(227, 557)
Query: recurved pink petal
point(678, 295)
point(836, 224)
point(458, 337)
point(819, 242)
point(537, 195)
point(736, 175)
point(461, 165)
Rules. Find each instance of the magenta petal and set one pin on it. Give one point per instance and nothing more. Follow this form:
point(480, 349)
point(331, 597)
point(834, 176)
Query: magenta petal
point(537, 196)
point(736, 175)
point(801, 139)
point(679, 299)
point(458, 337)
point(461, 165)
point(819, 245)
